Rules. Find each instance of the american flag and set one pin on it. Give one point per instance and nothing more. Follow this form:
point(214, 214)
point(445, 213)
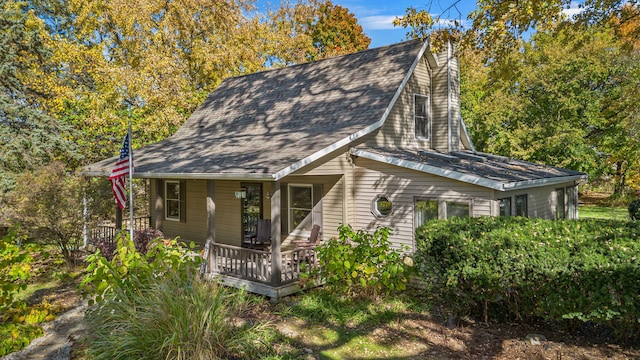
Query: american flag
point(119, 173)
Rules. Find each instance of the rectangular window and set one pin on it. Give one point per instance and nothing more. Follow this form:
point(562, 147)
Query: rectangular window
point(426, 210)
point(572, 204)
point(560, 212)
point(505, 206)
point(521, 205)
point(421, 116)
point(457, 209)
point(172, 200)
point(440, 209)
point(300, 206)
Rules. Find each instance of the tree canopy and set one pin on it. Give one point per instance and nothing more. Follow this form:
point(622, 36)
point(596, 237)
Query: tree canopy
point(545, 87)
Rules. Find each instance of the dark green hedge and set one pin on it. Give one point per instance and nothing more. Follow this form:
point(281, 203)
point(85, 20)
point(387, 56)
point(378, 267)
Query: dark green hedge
point(586, 270)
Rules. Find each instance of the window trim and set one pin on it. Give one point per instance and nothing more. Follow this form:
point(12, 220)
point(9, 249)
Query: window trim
point(167, 199)
point(374, 206)
point(292, 229)
point(427, 118)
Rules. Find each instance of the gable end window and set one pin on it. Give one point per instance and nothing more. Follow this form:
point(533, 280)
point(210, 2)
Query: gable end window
point(421, 117)
point(174, 200)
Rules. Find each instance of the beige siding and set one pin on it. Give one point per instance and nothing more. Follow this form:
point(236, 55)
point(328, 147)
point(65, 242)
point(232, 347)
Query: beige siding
point(541, 201)
point(398, 131)
point(403, 186)
point(440, 110)
point(454, 101)
point(338, 206)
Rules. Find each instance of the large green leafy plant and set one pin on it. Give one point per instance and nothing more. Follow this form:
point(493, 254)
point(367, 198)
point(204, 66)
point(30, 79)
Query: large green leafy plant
point(361, 263)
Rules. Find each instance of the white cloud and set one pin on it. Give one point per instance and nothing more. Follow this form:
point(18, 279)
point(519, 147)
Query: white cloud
point(573, 10)
point(378, 22)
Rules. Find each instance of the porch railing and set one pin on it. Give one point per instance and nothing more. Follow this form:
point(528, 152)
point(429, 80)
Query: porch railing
point(107, 233)
point(255, 265)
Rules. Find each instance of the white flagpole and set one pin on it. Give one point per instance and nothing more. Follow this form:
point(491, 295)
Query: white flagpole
point(130, 183)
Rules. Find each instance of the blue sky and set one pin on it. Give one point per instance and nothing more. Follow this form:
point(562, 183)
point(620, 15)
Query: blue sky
point(376, 16)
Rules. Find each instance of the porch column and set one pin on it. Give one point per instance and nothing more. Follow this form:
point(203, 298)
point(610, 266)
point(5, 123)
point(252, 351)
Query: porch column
point(276, 254)
point(211, 226)
point(159, 204)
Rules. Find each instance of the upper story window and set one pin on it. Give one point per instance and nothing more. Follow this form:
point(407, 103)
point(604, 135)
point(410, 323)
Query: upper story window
point(421, 116)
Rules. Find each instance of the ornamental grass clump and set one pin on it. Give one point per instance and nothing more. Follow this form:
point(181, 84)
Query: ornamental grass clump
point(176, 318)
point(154, 306)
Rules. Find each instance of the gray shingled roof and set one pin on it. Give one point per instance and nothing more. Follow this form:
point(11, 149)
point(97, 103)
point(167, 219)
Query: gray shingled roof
point(492, 171)
point(264, 122)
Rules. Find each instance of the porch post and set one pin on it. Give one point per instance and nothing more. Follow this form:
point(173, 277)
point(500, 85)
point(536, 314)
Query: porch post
point(159, 204)
point(118, 218)
point(276, 254)
point(211, 226)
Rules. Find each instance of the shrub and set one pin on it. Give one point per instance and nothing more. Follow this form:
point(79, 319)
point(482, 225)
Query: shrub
point(360, 263)
point(142, 238)
point(15, 337)
point(585, 270)
point(129, 270)
point(634, 210)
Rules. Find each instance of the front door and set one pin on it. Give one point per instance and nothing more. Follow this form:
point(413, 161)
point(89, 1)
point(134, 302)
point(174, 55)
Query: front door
point(251, 209)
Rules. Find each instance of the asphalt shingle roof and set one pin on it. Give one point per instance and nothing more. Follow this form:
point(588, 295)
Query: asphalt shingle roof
point(266, 121)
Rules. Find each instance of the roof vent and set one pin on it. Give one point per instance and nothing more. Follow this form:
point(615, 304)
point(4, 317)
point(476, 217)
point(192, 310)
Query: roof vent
point(469, 156)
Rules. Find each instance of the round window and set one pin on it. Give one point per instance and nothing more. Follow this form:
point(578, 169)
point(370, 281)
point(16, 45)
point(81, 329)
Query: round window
point(381, 206)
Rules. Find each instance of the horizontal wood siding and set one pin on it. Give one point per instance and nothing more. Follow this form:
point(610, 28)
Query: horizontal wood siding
point(398, 131)
point(403, 186)
point(195, 227)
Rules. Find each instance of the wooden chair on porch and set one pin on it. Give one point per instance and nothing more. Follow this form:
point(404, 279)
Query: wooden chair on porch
point(312, 241)
point(262, 239)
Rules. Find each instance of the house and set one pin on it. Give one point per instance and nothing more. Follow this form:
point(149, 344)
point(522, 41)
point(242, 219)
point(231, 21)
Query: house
point(370, 139)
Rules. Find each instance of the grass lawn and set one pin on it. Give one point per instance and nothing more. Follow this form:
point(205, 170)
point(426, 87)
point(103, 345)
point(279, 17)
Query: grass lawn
point(602, 212)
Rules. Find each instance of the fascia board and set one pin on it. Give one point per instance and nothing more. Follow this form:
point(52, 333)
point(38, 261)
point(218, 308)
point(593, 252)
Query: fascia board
point(527, 184)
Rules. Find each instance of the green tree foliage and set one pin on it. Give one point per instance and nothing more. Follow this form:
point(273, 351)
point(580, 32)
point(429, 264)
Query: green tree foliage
point(15, 270)
point(48, 205)
point(29, 137)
